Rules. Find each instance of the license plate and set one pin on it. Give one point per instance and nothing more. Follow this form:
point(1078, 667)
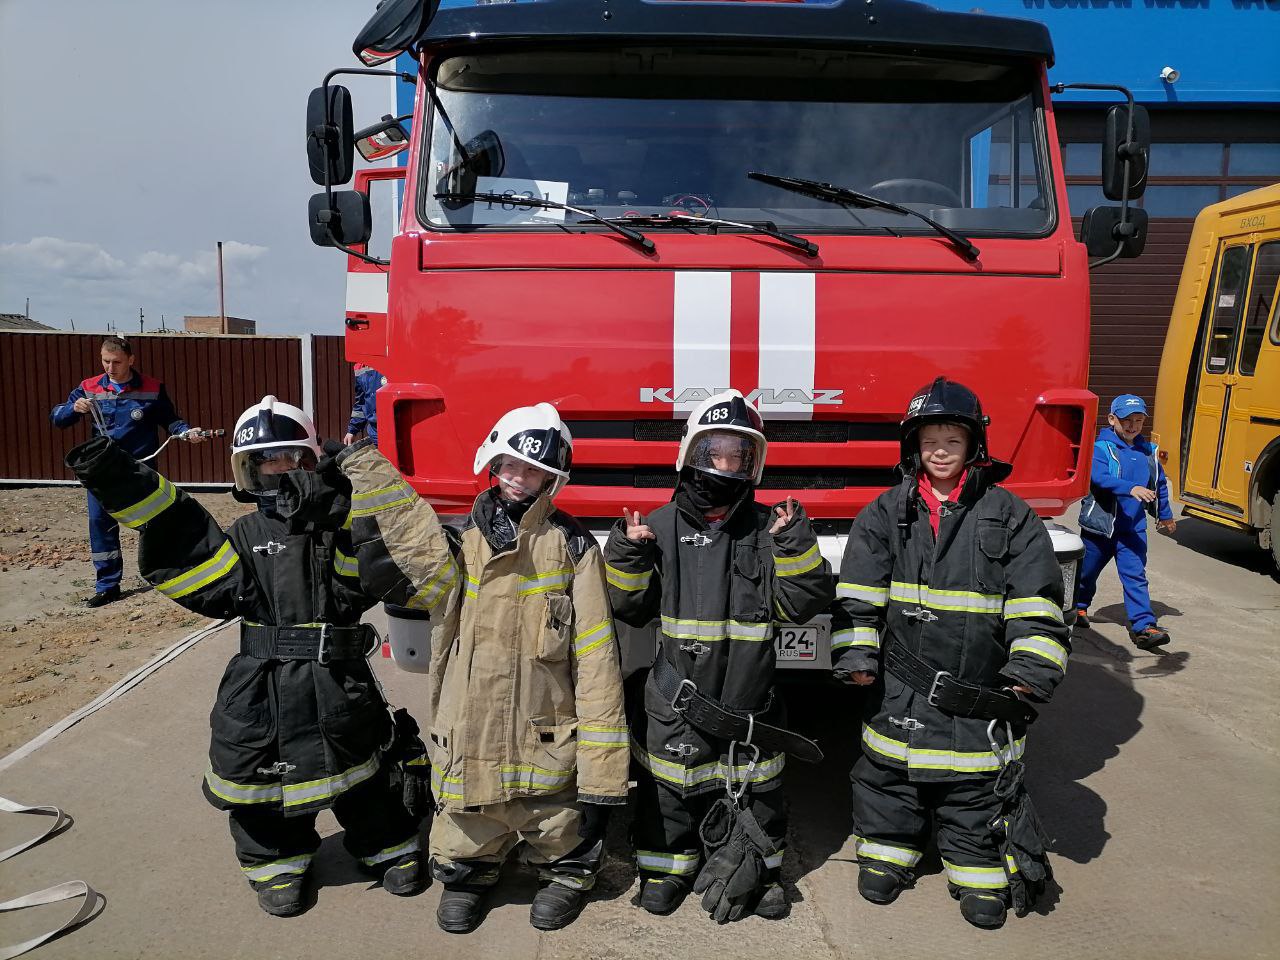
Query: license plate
point(797, 643)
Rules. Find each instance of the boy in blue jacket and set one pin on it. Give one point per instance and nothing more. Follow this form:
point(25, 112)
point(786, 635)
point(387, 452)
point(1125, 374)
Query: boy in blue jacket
point(1127, 483)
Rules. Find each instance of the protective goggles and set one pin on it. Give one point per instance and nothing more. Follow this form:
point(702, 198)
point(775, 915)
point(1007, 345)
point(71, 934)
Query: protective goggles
point(264, 468)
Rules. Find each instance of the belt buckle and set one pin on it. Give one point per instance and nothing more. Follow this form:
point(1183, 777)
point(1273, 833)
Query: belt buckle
point(322, 656)
point(677, 704)
point(932, 697)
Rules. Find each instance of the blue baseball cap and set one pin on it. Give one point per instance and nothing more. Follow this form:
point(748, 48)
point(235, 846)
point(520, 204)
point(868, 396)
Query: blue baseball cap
point(1128, 403)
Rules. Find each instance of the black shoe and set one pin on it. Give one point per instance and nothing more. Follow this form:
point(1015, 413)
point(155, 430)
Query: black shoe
point(460, 909)
point(1148, 638)
point(1082, 619)
point(661, 895)
point(406, 876)
point(879, 884)
point(982, 908)
point(773, 905)
point(103, 598)
point(282, 896)
point(556, 906)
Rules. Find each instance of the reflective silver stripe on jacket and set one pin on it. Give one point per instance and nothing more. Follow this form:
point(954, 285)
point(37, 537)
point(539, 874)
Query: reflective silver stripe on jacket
point(216, 567)
point(1032, 607)
point(429, 596)
point(445, 788)
point(246, 793)
point(983, 878)
point(623, 580)
point(687, 777)
point(677, 864)
point(715, 629)
point(955, 601)
point(393, 853)
point(1044, 647)
point(375, 501)
point(345, 566)
point(525, 776)
point(589, 736)
point(794, 566)
point(544, 582)
point(593, 639)
point(919, 759)
point(298, 794)
point(876, 596)
point(874, 850)
point(149, 507)
point(856, 637)
point(278, 868)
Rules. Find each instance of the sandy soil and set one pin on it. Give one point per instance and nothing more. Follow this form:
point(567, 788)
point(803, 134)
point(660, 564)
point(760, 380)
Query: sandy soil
point(56, 656)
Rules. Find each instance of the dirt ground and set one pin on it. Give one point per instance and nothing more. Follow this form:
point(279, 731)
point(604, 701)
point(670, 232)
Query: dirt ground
point(56, 656)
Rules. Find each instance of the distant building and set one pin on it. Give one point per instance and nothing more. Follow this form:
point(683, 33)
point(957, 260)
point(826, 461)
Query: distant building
point(215, 325)
point(16, 321)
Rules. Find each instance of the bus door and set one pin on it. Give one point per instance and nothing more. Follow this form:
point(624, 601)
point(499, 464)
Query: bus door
point(1240, 445)
point(1216, 469)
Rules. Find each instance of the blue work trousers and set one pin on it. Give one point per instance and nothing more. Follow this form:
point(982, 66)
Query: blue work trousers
point(1129, 548)
point(104, 544)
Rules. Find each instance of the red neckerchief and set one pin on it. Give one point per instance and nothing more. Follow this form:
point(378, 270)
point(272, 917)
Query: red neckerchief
point(931, 499)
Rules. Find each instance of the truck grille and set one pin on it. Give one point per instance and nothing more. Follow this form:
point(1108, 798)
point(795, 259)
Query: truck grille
point(793, 478)
point(775, 431)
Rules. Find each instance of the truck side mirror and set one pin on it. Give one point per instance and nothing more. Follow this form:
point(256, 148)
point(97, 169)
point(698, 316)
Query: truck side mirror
point(1106, 228)
point(394, 27)
point(1117, 147)
point(383, 139)
point(348, 222)
point(330, 133)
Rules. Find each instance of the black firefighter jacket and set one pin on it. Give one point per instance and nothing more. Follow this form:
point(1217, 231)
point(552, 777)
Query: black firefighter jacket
point(983, 601)
point(718, 594)
point(287, 735)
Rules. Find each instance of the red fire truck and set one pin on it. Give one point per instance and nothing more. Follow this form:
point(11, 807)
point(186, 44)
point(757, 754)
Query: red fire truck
point(623, 206)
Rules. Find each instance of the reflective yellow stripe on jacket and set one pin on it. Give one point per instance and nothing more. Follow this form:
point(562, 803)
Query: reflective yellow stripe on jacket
point(982, 761)
point(216, 567)
point(794, 566)
point(149, 507)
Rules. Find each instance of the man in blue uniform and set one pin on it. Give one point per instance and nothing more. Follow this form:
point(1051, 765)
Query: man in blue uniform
point(364, 412)
point(126, 406)
point(1126, 484)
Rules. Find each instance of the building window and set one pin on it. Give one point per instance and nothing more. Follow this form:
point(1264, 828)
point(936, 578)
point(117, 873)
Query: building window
point(1184, 178)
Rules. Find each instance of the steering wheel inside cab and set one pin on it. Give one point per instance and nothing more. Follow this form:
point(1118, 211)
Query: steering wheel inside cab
point(914, 190)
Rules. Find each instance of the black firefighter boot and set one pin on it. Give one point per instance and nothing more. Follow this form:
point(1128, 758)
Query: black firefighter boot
point(556, 905)
point(879, 882)
point(406, 876)
point(465, 885)
point(661, 895)
point(982, 908)
point(283, 895)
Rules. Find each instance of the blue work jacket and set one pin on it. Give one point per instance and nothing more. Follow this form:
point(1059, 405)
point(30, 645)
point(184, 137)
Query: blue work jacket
point(132, 411)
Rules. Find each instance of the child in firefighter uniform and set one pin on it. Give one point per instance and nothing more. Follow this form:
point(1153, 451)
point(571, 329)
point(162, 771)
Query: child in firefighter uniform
point(719, 569)
point(527, 734)
point(950, 602)
point(299, 723)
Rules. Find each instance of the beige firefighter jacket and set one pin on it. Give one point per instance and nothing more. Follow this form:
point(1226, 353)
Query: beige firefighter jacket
point(525, 687)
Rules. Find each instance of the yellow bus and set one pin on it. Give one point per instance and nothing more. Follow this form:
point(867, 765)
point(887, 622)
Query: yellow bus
point(1217, 417)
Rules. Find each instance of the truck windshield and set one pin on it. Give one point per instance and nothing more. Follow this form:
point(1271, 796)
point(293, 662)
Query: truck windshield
point(648, 130)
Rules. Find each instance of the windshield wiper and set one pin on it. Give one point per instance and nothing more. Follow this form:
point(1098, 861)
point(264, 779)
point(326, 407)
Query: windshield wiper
point(843, 195)
point(635, 236)
point(767, 228)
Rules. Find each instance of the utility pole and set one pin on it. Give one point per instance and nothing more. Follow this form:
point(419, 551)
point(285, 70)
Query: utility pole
point(73, 324)
point(27, 313)
point(222, 294)
point(141, 328)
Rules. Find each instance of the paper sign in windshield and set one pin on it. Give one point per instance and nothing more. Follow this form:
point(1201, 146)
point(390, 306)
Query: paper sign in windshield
point(487, 211)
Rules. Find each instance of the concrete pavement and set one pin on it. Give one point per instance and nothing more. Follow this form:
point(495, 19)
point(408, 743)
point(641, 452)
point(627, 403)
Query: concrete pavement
point(1158, 774)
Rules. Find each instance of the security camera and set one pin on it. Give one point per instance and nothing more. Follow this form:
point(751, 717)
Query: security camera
point(1170, 75)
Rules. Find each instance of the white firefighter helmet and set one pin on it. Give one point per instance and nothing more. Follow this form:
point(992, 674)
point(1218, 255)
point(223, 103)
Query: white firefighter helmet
point(725, 416)
point(535, 435)
point(270, 438)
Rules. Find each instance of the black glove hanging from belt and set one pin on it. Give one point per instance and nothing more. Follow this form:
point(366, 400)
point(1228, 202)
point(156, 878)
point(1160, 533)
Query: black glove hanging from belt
point(1023, 843)
point(951, 695)
point(408, 768)
point(713, 718)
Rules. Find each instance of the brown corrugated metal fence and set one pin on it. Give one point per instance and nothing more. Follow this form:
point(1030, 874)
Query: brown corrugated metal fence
point(334, 386)
point(211, 379)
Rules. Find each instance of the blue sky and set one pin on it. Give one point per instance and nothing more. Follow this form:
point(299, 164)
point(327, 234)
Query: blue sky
point(134, 136)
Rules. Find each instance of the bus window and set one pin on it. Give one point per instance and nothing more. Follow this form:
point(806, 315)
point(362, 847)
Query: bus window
point(1226, 311)
point(1266, 271)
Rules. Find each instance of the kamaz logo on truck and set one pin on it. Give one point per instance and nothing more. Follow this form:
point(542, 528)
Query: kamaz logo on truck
point(759, 396)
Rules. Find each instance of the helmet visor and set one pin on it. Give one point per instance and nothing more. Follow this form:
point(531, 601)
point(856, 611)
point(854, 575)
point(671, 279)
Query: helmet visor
point(264, 468)
point(725, 454)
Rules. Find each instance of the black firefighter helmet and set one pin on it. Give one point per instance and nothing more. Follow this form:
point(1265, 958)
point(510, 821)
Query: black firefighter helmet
point(943, 401)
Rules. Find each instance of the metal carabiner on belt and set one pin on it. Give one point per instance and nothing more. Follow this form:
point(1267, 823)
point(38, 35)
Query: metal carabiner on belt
point(996, 748)
point(736, 792)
